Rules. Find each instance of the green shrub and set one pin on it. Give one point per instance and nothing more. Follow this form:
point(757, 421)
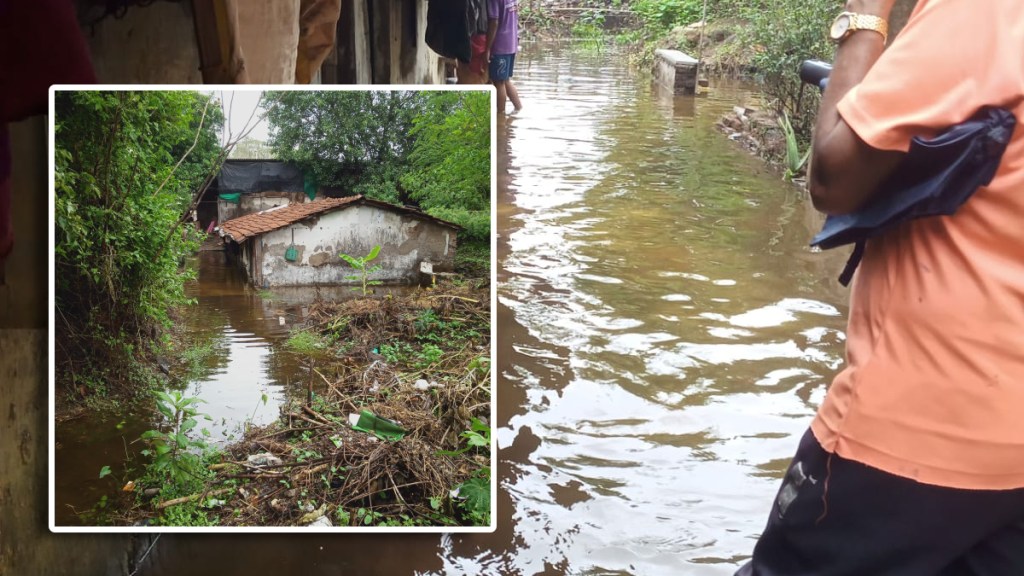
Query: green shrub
point(784, 33)
point(476, 224)
point(666, 14)
point(118, 206)
point(175, 457)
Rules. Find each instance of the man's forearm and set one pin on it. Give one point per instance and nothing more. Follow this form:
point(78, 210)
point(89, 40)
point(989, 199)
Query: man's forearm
point(492, 33)
point(846, 171)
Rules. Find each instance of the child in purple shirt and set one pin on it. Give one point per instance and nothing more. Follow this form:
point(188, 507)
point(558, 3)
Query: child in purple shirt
point(502, 44)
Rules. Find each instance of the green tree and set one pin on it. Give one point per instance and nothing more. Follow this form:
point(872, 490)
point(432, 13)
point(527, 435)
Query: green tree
point(123, 182)
point(357, 140)
point(450, 174)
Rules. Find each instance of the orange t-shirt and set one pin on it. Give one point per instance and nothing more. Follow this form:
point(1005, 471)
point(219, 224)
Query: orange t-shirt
point(933, 389)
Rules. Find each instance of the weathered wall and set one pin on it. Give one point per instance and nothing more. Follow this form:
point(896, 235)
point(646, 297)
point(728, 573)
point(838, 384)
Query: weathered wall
point(675, 71)
point(378, 41)
point(269, 39)
point(412, 62)
point(26, 546)
point(151, 45)
point(257, 202)
point(349, 62)
point(399, 52)
point(405, 241)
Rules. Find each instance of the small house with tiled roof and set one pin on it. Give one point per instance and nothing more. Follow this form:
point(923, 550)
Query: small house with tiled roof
point(299, 244)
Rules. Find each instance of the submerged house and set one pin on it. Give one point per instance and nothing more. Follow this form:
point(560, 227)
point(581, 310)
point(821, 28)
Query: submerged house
point(299, 244)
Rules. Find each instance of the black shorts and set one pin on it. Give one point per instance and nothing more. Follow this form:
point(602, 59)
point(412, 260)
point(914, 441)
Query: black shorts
point(837, 517)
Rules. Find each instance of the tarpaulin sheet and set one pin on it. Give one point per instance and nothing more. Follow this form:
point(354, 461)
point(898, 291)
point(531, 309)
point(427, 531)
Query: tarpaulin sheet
point(260, 176)
point(310, 185)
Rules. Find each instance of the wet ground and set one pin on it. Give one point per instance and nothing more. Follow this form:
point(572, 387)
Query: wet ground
point(664, 337)
point(243, 330)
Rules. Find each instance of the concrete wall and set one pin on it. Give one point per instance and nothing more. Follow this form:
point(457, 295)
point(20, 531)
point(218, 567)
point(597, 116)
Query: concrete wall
point(675, 71)
point(151, 45)
point(349, 62)
point(405, 241)
point(412, 61)
point(269, 39)
point(26, 545)
point(378, 41)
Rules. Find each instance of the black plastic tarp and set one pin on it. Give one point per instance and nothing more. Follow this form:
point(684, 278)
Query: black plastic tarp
point(259, 176)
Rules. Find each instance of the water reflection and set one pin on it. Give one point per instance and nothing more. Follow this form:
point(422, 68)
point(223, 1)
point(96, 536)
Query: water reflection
point(664, 338)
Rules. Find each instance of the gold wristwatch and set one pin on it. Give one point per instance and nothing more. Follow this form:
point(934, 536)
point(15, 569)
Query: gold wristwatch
point(849, 22)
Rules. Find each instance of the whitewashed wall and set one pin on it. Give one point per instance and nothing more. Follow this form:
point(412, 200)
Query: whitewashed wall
point(405, 241)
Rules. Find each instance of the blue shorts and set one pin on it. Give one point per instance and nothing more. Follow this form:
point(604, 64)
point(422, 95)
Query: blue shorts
point(501, 67)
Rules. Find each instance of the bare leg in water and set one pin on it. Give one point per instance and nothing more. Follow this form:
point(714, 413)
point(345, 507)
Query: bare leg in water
point(513, 95)
point(502, 92)
point(507, 89)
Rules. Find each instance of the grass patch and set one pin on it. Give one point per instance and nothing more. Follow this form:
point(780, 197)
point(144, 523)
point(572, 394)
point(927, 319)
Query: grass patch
point(473, 260)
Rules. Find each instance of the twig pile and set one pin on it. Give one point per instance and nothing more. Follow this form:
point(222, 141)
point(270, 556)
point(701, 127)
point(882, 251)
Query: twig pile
point(313, 463)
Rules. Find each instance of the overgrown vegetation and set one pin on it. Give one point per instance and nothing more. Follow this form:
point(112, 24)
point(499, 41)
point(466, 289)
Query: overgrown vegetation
point(784, 34)
point(126, 167)
point(426, 149)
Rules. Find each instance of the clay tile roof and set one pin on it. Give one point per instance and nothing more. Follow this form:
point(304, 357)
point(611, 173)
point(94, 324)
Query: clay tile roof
point(245, 227)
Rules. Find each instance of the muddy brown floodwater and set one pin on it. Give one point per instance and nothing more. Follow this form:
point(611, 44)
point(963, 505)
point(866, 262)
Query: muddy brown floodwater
point(243, 330)
point(665, 335)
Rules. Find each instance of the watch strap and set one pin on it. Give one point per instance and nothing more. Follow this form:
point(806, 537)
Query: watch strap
point(869, 22)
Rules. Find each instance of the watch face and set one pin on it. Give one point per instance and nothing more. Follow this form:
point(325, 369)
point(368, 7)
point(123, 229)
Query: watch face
point(840, 26)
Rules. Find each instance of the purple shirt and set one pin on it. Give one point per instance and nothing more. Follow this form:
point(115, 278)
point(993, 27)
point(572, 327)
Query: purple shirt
point(506, 41)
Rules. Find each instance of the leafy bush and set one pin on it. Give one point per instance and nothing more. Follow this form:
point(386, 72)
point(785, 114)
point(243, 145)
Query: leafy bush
point(175, 457)
point(666, 14)
point(474, 495)
point(118, 207)
point(784, 33)
point(476, 224)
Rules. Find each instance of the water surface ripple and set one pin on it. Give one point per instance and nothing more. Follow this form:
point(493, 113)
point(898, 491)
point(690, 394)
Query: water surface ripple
point(665, 335)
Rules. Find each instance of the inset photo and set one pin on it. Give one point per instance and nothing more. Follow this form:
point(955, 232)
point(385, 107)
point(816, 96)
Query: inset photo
point(272, 309)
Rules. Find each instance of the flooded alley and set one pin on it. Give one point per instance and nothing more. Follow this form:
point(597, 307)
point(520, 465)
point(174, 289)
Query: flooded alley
point(664, 336)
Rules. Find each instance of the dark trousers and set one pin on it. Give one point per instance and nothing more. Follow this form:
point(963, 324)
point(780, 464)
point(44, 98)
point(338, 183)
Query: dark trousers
point(837, 517)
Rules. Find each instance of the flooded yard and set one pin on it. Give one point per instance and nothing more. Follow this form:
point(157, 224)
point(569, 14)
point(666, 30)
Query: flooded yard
point(240, 370)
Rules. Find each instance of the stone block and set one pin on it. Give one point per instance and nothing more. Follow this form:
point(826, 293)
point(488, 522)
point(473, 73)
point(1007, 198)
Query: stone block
point(676, 71)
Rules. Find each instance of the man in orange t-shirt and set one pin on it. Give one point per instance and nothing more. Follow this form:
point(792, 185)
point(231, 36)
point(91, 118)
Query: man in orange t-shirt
point(914, 464)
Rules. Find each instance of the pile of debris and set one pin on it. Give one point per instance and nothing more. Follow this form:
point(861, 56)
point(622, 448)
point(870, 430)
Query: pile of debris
point(380, 436)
